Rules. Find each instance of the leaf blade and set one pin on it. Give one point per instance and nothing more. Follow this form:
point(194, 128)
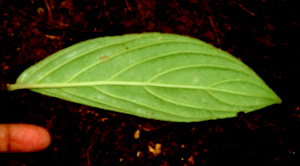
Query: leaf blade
point(151, 75)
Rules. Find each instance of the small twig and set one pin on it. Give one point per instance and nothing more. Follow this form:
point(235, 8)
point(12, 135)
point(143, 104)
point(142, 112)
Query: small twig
point(88, 155)
point(214, 29)
point(92, 142)
point(246, 10)
point(151, 128)
point(54, 37)
point(49, 11)
point(129, 8)
point(266, 17)
point(240, 5)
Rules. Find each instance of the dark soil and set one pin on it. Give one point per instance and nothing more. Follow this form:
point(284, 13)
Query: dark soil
point(264, 34)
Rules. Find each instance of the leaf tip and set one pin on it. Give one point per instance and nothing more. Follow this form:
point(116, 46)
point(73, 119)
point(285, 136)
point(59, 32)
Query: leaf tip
point(279, 101)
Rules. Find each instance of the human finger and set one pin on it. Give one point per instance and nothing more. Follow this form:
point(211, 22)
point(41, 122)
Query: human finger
point(23, 138)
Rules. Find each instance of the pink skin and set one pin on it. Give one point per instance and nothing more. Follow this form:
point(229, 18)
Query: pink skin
point(22, 138)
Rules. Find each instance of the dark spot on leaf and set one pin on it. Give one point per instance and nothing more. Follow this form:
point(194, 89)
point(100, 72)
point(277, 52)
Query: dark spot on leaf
point(103, 58)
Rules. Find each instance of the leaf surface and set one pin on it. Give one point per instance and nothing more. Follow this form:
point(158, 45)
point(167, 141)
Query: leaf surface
point(152, 75)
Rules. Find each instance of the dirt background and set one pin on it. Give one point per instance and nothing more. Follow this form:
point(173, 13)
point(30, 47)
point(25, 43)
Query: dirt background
point(264, 34)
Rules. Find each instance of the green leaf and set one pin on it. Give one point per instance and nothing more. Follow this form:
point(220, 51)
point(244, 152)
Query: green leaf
point(152, 75)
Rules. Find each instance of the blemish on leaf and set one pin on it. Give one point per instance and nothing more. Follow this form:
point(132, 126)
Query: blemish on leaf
point(103, 58)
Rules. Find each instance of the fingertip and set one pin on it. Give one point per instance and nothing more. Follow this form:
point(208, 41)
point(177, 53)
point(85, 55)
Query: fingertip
point(23, 138)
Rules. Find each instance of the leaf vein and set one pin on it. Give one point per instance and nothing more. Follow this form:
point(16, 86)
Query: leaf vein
point(180, 103)
point(76, 57)
point(169, 54)
point(196, 66)
point(141, 47)
point(134, 102)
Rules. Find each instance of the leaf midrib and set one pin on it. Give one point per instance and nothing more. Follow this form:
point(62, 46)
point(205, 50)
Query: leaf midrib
point(124, 83)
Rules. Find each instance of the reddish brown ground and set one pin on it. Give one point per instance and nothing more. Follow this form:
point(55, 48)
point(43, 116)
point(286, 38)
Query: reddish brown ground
point(263, 34)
